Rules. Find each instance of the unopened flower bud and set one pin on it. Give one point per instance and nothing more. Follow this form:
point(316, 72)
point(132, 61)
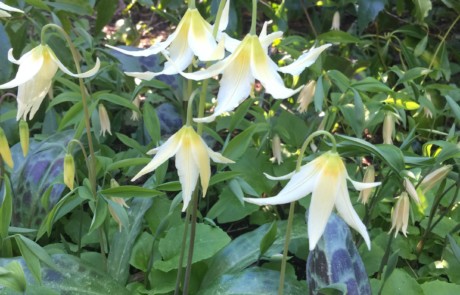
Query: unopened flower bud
point(435, 177)
point(24, 136)
point(410, 189)
point(276, 149)
point(400, 215)
point(118, 201)
point(369, 176)
point(336, 21)
point(104, 120)
point(5, 152)
point(69, 171)
point(388, 128)
point(306, 96)
point(136, 103)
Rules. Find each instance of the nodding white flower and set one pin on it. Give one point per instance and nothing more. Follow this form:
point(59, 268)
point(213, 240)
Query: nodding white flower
point(193, 36)
point(249, 61)
point(5, 8)
point(33, 79)
point(104, 120)
point(388, 127)
point(192, 160)
point(400, 215)
point(137, 103)
point(336, 21)
point(326, 179)
point(369, 176)
point(435, 177)
point(306, 96)
point(276, 149)
point(410, 189)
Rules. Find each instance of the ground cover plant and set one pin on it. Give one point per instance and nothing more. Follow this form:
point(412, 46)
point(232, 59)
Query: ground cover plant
point(229, 147)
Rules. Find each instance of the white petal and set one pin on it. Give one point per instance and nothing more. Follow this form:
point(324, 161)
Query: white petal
point(9, 8)
point(12, 59)
point(30, 97)
point(149, 51)
point(348, 213)
point(322, 203)
point(218, 158)
point(231, 44)
point(26, 71)
point(212, 71)
point(143, 75)
point(86, 74)
point(201, 157)
point(200, 38)
point(225, 16)
point(4, 14)
point(188, 173)
point(300, 185)
point(305, 60)
point(264, 70)
point(164, 152)
point(268, 40)
point(363, 185)
point(284, 177)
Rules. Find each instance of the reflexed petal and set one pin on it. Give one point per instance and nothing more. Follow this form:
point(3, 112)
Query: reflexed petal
point(322, 203)
point(264, 70)
point(305, 60)
point(225, 16)
point(219, 51)
point(363, 185)
point(163, 153)
point(212, 71)
point(32, 65)
point(284, 177)
point(86, 74)
point(4, 14)
point(218, 158)
point(149, 51)
point(231, 44)
point(268, 40)
point(9, 8)
point(143, 75)
point(13, 60)
point(300, 185)
point(200, 38)
point(187, 171)
point(348, 213)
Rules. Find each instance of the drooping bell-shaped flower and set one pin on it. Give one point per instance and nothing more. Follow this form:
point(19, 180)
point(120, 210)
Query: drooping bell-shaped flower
point(369, 176)
point(193, 36)
point(400, 215)
point(247, 62)
point(306, 96)
point(5, 9)
point(326, 179)
point(33, 79)
point(104, 120)
point(192, 160)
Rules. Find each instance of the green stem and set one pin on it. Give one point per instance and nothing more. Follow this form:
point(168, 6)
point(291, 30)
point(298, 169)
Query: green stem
point(292, 205)
point(191, 246)
point(218, 17)
point(190, 107)
point(182, 252)
point(254, 18)
point(191, 4)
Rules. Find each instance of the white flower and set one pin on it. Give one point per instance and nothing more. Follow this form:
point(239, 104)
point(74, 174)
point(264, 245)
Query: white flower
point(276, 149)
point(192, 160)
point(250, 61)
point(435, 177)
point(388, 127)
point(400, 214)
point(4, 8)
point(33, 79)
point(336, 22)
point(104, 120)
point(326, 178)
point(410, 189)
point(369, 176)
point(193, 36)
point(306, 96)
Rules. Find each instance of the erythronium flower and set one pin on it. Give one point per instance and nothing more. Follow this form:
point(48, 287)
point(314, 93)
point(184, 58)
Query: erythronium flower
point(326, 178)
point(192, 160)
point(193, 36)
point(5, 8)
point(400, 215)
point(249, 61)
point(33, 79)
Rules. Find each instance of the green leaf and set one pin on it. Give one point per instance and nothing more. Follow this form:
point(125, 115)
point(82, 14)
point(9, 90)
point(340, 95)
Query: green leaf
point(5, 45)
point(368, 11)
point(129, 191)
point(454, 4)
point(421, 46)
point(440, 288)
point(338, 37)
point(142, 252)
point(128, 141)
point(209, 240)
point(115, 99)
point(339, 79)
point(268, 238)
point(422, 7)
point(72, 116)
point(128, 163)
point(400, 282)
point(222, 176)
point(6, 208)
point(413, 74)
point(370, 84)
point(454, 107)
point(12, 276)
point(99, 215)
point(38, 3)
point(455, 247)
point(152, 123)
point(238, 145)
point(105, 12)
point(391, 265)
point(80, 7)
point(172, 186)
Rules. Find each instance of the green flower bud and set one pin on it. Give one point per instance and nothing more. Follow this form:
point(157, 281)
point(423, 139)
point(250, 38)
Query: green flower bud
point(24, 136)
point(69, 171)
point(5, 152)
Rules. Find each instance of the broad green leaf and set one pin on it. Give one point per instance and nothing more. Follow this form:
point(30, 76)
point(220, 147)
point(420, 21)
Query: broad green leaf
point(268, 238)
point(334, 289)
point(129, 191)
point(421, 46)
point(368, 11)
point(72, 97)
point(229, 208)
point(99, 215)
point(422, 7)
point(32, 254)
point(400, 282)
point(253, 281)
point(370, 84)
point(455, 247)
point(391, 265)
point(339, 79)
point(440, 288)
point(38, 3)
point(172, 186)
point(152, 123)
point(142, 252)
point(338, 37)
point(115, 99)
point(105, 12)
point(238, 145)
point(12, 276)
point(72, 116)
point(128, 141)
point(80, 7)
point(6, 208)
point(209, 240)
point(222, 176)
point(413, 74)
point(454, 107)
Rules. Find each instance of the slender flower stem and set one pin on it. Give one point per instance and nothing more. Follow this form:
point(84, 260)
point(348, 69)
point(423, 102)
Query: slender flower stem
point(190, 107)
point(292, 205)
point(254, 18)
point(191, 246)
point(191, 4)
point(182, 252)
